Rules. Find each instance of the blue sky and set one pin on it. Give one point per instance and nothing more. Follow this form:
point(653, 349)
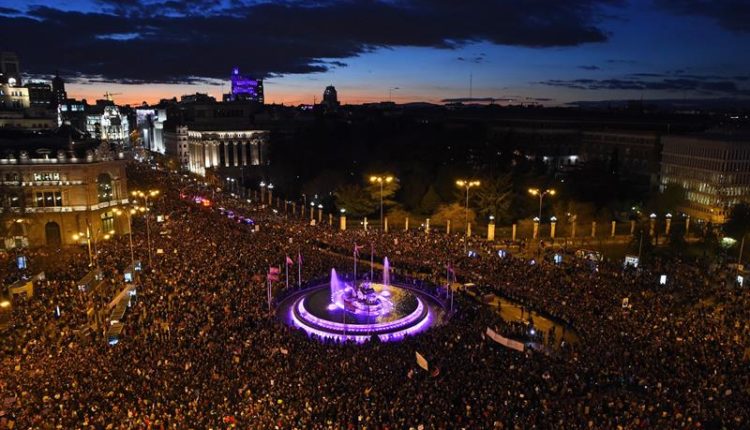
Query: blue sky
point(637, 49)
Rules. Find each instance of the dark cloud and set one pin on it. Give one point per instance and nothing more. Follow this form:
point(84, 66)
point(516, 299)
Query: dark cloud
point(8, 11)
point(733, 15)
point(715, 85)
point(477, 59)
point(592, 67)
point(174, 40)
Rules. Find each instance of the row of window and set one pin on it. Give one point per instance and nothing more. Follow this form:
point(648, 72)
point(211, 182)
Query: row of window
point(49, 199)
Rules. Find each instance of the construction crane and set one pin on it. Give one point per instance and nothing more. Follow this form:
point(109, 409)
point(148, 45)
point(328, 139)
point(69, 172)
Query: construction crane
point(108, 95)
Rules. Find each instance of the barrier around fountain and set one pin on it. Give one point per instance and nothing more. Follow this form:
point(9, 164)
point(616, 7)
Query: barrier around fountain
point(342, 323)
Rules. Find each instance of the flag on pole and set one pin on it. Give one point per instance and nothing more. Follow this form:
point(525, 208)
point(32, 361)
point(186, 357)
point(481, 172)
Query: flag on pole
point(289, 261)
point(299, 257)
point(356, 249)
point(273, 273)
point(422, 362)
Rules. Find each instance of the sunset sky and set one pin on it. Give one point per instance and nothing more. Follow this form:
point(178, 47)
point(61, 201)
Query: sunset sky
point(546, 51)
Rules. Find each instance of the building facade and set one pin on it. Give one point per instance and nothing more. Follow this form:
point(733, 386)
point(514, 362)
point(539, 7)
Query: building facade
point(714, 170)
point(226, 149)
point(176, 145)
point(14, 97)
point(49, 199)
point(150, 123)
point(104, 121)
point(636, 153)
point(245, 88)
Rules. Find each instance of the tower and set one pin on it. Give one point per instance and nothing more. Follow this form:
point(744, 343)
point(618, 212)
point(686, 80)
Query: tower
point(330, 98)
point(10, 69)
point(58, 89)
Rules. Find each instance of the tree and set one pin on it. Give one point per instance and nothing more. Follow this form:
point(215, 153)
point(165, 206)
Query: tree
point(388, 191)
point(355, 200)
point(494, 197)
point(454, 212)
point(738, 222)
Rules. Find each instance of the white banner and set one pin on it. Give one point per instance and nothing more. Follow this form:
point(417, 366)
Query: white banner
point(504, 341)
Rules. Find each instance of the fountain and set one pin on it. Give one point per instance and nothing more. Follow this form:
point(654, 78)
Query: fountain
point(362, 309)
point(386, 272)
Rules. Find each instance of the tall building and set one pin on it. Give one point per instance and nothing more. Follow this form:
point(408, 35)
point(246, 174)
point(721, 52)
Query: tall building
point(713, 168)
point(40, 94)
point(245, 88)
point(150, 124)
point(330, 99)
point(10, 69)
point(58, 89)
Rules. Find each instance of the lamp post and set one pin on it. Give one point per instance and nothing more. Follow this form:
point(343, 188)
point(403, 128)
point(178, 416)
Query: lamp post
point(262, 192)
point(467, 184)
point(129, 214)
point(145, 196)
point(342, 221)
point(537, 192)
point(93, 257)
point(270, 194)
point(381, 180)
point(320, 214)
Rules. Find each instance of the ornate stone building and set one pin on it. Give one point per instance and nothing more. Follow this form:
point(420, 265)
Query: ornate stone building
point(50, 196)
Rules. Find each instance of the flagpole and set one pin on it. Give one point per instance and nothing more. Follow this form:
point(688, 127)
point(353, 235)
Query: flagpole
point(372, 261)
point(299, 269)
point(286, 268)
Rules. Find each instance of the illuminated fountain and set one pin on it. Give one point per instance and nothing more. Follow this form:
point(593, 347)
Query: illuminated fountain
point(348, 310)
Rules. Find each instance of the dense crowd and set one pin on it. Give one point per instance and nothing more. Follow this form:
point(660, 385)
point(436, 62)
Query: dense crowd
point(201, 351)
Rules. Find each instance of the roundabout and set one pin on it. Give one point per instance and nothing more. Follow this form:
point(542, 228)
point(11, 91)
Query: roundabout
point(358, 311)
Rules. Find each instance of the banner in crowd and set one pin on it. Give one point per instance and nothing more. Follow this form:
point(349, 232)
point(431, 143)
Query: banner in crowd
point(422, 362)
point(504, 341)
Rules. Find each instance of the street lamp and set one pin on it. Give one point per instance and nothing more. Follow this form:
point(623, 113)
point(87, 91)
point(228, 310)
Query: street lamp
point(541, 194)
point(129, 213)
point(145, 196)
point(270, 194)
point(467, 184)
point(262, 192)
point(381, 180)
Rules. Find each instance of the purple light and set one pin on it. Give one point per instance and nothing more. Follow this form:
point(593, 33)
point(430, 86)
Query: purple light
point(363, 328)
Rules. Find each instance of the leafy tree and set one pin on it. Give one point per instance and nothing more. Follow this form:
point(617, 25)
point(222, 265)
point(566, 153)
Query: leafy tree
point(389, 189)
point(738, 222)
point(494, 197)
point(454, 212)
point(356, 200)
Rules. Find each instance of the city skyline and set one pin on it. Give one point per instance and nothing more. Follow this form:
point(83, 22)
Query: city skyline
point(542, 52)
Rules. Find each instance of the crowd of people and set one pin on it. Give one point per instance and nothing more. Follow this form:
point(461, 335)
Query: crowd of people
point(201, 351)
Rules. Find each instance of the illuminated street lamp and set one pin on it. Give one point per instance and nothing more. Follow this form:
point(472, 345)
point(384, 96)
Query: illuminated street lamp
point(270, 194)
point(467, 184)
point(262, 192)
point(381, 180)
point(129, 213)
point(537, 192)
point(145, 196)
